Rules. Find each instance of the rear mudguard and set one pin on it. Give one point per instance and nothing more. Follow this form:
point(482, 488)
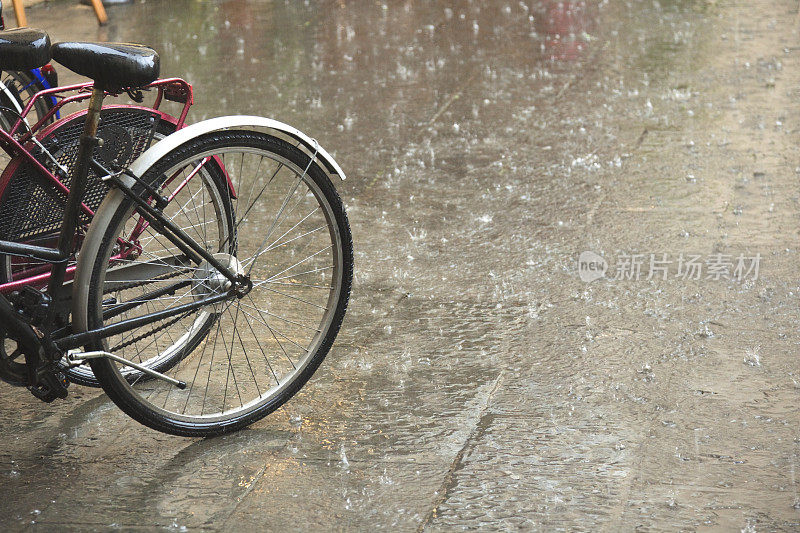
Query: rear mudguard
point(239, 122)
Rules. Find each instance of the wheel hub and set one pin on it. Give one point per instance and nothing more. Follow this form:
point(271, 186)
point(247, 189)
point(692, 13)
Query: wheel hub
point(207, 281)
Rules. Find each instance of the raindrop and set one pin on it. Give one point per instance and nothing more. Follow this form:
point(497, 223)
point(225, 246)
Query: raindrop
point(751, 357)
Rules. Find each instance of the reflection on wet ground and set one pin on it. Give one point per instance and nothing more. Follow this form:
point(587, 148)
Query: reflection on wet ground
point(477, 382)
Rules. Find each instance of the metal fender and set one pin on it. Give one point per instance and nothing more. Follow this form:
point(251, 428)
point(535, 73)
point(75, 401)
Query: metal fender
point(309, 145)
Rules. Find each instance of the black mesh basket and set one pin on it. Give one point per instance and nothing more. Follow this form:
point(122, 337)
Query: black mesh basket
point(32, 207)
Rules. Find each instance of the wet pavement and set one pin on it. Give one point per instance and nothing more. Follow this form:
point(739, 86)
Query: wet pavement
point(477, 381)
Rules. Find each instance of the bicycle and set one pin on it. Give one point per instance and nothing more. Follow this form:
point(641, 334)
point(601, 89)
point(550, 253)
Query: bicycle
point(127, 131)
point(179, 247)
point(18, 87)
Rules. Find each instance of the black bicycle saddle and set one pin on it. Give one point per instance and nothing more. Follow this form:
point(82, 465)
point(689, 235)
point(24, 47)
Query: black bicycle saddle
point(23, 49)
point(112, 66)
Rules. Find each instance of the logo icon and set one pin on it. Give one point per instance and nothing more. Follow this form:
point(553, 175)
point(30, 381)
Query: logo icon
point(591, 266)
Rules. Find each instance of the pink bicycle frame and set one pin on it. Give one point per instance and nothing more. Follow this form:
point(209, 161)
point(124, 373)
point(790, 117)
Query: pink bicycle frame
point(173, 89)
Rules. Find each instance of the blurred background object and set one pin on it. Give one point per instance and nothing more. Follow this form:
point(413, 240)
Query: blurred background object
point(97, 6)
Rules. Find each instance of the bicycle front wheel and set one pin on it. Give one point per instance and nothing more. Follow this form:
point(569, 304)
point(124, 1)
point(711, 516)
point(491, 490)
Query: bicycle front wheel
point(290, 237)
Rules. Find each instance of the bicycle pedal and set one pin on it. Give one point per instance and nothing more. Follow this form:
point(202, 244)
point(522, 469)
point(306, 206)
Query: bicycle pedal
point(51, 387)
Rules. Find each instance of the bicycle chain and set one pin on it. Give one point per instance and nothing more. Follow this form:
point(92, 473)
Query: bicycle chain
point(154, 331)
point(132, 285)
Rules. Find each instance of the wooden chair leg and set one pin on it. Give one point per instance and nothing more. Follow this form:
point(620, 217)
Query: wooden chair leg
point(99, 11)
point(19, 13)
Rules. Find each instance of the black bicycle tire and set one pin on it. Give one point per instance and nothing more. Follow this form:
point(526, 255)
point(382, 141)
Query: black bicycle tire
point(119, 390)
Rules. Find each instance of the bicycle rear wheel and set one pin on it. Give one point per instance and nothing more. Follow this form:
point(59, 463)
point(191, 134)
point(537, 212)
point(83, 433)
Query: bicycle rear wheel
point(291, 237)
